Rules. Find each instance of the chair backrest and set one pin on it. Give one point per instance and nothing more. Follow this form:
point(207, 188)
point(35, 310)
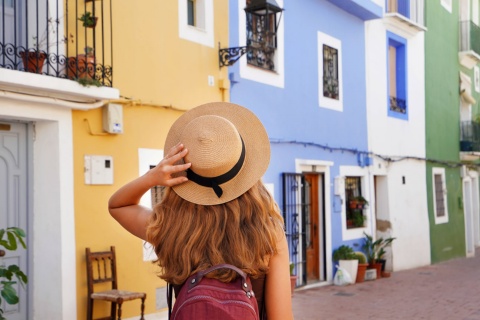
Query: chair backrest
point(101, 268)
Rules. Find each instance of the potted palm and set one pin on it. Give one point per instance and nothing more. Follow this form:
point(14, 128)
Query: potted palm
point(374, 250)
point(347, 259)
point(11, 274)
point(293, 277)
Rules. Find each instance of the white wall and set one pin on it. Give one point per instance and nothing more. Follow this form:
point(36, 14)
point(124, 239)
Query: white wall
point(406, 205)
point(53, 282)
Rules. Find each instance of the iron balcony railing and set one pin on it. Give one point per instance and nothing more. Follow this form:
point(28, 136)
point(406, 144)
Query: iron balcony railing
point(414, 10)
point(469, 37)
point(470, 136)
point(69, 39)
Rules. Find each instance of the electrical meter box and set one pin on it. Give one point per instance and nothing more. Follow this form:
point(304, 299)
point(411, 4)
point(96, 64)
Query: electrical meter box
point(113, 118)
point(98, 169)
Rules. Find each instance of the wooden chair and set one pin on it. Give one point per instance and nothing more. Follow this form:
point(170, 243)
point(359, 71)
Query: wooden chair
point(102, 268)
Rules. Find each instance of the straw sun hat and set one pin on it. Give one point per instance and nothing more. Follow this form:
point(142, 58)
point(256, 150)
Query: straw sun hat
point(228, 148)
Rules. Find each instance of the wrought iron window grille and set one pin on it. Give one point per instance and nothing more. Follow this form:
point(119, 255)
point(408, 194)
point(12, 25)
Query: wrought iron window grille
point(330, 72)
point(263, 18)
point(398, 105)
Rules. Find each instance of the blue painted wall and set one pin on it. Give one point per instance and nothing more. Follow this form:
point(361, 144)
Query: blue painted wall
point(292, 113)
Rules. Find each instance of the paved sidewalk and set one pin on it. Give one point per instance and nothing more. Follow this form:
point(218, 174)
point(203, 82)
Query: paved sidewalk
point(449, 290)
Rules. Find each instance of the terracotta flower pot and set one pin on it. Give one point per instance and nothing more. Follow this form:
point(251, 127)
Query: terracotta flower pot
point(362, 268)
point(378, 267)
point(293, 282)
point(33, 60)
point(82, 66)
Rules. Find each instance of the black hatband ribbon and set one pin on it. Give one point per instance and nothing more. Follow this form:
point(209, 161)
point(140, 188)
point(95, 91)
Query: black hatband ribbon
point(215, 182)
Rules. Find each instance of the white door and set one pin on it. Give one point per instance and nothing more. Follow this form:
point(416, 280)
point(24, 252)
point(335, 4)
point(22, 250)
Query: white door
point(13, 202)
point(467, 207)
point(475, 209)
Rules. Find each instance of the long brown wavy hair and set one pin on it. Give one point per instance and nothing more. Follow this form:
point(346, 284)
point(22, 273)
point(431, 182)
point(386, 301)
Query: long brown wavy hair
point(188, 237)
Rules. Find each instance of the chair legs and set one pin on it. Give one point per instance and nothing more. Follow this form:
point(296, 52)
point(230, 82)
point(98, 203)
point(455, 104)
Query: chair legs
point(142, 309)
point(115, 313)
point(90, 309)
point(119, 312)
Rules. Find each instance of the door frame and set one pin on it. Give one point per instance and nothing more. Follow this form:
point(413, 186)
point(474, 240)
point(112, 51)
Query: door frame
point(321, 167)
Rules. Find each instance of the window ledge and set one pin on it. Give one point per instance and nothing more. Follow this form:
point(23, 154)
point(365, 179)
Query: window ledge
point(468, 59)
point(397, 20)
point(469, 156)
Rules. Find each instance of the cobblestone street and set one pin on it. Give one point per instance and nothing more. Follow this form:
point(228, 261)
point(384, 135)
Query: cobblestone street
point(449, 290)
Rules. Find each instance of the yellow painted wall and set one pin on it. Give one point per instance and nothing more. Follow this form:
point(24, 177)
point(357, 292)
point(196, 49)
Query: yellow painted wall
point(155, 68)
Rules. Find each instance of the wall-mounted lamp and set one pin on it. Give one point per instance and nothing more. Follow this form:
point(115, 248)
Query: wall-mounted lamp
point(263, 19)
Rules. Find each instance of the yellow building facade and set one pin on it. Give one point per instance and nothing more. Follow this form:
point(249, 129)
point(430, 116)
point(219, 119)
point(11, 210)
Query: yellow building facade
point(165, 57)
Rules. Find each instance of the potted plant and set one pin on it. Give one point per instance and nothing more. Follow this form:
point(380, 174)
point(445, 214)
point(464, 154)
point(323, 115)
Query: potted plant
point(373, 249)
point(14, 236)
point(293, 277)
point(347, 259)
point(358, 219)
point(82, 66)
point(358, 202)
point(362, 266)
point(88, 20)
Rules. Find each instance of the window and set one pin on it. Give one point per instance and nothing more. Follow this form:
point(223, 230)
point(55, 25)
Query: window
point(156, 193)
point(261, 39)
point(147, 159)
point(397, 76)
point(191, 12)
point(447, 4)
point(329, 72)
point(195, 21)
point(439, 199)
point(355, 203)
point(250, 71)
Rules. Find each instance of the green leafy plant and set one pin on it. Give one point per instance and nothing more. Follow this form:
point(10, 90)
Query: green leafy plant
point(87, 82)
point(88, 20)
point(358, 219)
point(13, 237)
point(292, 266)
point(344, 252)
point(374, 250)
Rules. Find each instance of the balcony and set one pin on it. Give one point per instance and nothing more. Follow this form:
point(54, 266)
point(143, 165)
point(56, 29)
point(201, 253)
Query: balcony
point(470, 140)
point(406, 14)
point(69, 39)
point(469, 53)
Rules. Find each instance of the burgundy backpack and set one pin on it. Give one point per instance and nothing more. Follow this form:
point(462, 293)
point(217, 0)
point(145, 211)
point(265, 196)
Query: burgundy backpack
point(202, 298)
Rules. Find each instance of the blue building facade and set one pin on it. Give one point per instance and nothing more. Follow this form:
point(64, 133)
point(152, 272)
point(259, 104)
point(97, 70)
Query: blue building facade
point(308, 87)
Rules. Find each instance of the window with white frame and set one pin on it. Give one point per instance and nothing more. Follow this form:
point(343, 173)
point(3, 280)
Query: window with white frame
point(440, 208)
point(329, 72)
point(447, 4)
point(147, 159)
point(195, 21)
point(397, 75)
point(356, 203)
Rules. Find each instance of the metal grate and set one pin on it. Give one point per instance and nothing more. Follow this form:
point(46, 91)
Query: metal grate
point(48, 37)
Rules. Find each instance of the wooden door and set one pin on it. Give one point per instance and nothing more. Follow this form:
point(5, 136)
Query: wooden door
point(311, 202)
